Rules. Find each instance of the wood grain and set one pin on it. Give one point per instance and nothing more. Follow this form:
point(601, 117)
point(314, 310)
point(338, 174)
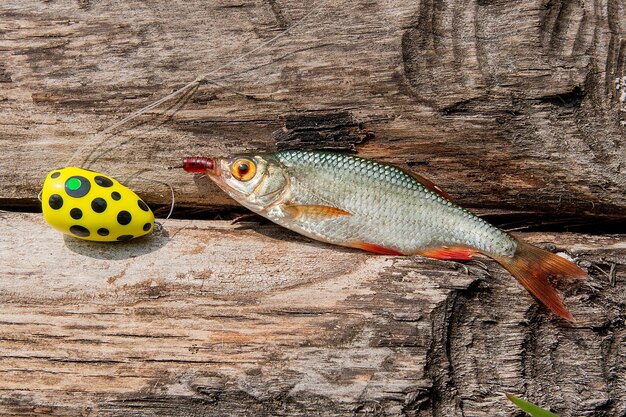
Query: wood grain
point(511, 107)
point(208, 318)
point(507, 106)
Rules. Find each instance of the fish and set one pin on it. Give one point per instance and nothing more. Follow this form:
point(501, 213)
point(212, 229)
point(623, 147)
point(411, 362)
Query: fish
point(351, 201)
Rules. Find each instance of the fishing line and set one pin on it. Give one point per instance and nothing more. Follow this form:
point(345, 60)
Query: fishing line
point(138, 175)
point(204, 78)
point(67, 202)
point(89, 161)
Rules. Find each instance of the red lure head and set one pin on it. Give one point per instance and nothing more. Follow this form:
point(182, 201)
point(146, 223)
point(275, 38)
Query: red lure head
point(198, 164)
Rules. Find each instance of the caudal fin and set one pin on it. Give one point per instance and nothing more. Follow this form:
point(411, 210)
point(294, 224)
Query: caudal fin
point(531, 266)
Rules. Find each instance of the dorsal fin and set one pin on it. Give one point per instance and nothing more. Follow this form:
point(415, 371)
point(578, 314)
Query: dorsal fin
point(427, 183)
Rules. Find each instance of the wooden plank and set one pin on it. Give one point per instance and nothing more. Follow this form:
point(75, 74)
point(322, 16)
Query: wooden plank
point(509, 106)
point(209, 318)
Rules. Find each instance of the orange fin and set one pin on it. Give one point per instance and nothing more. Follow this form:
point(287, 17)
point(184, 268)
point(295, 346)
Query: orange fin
point(313, 212)
point(376, 249)
point(427, 183)
point(531, 266)
point(449, 254)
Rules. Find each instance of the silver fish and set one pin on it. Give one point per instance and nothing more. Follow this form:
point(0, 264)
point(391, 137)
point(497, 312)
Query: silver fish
point(355, 202)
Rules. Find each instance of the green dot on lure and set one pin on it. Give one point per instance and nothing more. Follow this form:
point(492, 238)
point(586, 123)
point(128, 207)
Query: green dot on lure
point(92, 206)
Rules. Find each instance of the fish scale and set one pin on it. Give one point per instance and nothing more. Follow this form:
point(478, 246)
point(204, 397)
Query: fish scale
point(389, 208)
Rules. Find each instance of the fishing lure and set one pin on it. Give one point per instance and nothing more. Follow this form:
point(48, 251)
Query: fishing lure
point(92, 206)
point(351, 201)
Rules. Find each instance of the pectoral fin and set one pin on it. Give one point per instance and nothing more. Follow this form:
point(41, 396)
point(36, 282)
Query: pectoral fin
point(313, 212)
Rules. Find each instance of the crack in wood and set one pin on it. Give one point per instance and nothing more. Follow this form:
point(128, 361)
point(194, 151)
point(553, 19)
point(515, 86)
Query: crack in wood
point(339, 131)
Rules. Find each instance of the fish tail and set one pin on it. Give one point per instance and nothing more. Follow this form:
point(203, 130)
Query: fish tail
point(532, 266)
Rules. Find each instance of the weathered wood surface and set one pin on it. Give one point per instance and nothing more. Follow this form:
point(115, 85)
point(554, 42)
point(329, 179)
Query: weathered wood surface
point(507, 105)
point(208, 318)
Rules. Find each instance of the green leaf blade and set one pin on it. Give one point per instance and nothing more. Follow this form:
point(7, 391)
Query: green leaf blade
point(529, 407)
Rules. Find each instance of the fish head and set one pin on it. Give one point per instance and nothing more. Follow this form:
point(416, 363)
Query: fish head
point(254, 181)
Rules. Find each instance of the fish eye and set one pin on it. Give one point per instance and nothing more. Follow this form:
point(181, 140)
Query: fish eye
point(243, 169)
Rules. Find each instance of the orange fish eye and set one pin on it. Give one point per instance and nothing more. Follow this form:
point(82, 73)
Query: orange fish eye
point(243, 169)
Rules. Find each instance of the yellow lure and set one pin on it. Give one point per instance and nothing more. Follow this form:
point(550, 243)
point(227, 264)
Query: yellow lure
point(92, 206)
